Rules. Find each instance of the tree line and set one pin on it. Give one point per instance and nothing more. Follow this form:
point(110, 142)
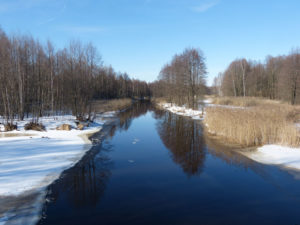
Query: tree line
point(275, 78)
point(37, 79)
point(182, 81)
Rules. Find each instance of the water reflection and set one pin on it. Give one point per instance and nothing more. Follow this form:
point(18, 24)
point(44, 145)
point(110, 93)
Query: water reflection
point(138, 109)
point(126, 117)
point(183, 137)
point(85, 183)
point(230, 153)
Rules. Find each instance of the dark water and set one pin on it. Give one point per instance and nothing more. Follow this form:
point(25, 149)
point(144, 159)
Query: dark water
point(158, 168)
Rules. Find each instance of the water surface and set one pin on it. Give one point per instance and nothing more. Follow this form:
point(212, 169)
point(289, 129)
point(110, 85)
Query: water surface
point(154, 167)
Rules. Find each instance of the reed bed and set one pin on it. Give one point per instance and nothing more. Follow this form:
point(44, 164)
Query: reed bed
point(255, 126)
point(243, 101)
point(111, 105)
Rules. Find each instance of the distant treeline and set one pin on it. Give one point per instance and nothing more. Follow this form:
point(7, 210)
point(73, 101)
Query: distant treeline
point(38, 79)
point(182, 81)
point(276, 78)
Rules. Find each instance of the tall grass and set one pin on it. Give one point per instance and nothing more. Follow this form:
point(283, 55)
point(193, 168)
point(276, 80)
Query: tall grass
point(254, 126)
point(159, 100)
point(242, 101)
point(111, 105)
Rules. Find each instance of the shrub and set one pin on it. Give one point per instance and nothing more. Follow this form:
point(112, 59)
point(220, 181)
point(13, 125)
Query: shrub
point(10, 127)
point(34, 126)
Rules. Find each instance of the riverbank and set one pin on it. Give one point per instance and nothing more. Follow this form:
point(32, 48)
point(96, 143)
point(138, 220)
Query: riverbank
point(196, 114)
point(31, 160)
point(271, 126)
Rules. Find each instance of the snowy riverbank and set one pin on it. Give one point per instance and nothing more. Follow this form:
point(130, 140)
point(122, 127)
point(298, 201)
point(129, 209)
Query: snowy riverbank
point(285, 157)
point(282, 156)
point(31, 160)
point(183, 111)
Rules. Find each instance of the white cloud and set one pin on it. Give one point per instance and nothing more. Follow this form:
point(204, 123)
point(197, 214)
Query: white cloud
point(205, 6)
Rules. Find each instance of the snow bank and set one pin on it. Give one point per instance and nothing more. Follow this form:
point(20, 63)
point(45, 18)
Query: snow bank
point(183, 111)
point(207, 101)
point(194, 114)
point(33, 162)
point(277, 155)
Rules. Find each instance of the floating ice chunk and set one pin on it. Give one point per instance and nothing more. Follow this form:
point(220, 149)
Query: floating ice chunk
point(135, 141)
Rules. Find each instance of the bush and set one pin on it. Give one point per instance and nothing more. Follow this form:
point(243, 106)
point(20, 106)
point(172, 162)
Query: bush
point(34, 126)
point(10, 127)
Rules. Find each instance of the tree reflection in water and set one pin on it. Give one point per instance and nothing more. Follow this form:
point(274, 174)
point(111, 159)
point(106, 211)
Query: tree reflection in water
point(183, 137)
point(85, 183)
point(137, 110)
point(126, 117)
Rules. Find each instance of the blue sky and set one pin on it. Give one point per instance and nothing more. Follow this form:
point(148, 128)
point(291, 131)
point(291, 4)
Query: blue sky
point(140, 36)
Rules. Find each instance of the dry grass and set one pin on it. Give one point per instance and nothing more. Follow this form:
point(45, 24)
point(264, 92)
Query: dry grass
point(159, 100)
point(111, 105)
point(243, 101)
point(254, 126)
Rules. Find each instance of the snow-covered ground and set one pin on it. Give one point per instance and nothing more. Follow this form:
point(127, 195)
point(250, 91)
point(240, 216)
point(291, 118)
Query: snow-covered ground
point(183, 111)
point(285, 157)
point(194, 114)
point(281, 156)
point(32, 160)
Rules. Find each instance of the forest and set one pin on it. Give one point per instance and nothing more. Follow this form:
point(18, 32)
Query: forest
point(183, 80)
point(276, 78)
point(37, 79)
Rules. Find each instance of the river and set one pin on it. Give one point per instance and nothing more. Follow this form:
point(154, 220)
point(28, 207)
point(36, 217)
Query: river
point(154, 167)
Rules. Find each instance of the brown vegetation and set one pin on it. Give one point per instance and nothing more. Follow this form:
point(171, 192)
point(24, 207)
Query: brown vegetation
point(243, 101)
point(159, 100)
point(111, 105)
point(34, 126)
point(254, 126)
point(9, 127)
point(66, 127)
point(80, 126)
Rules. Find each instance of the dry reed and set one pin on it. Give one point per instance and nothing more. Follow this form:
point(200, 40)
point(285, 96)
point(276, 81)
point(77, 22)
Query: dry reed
point(111, 105)
point(243, 101)
point(254, 126)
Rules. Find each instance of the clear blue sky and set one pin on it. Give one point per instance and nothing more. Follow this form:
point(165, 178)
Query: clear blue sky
point(140, 36)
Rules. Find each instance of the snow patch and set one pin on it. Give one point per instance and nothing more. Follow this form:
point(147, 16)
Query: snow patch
point(1, 130)
point(33, 162)
point(183, 111)
point(277, 155)
point(207, 101)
